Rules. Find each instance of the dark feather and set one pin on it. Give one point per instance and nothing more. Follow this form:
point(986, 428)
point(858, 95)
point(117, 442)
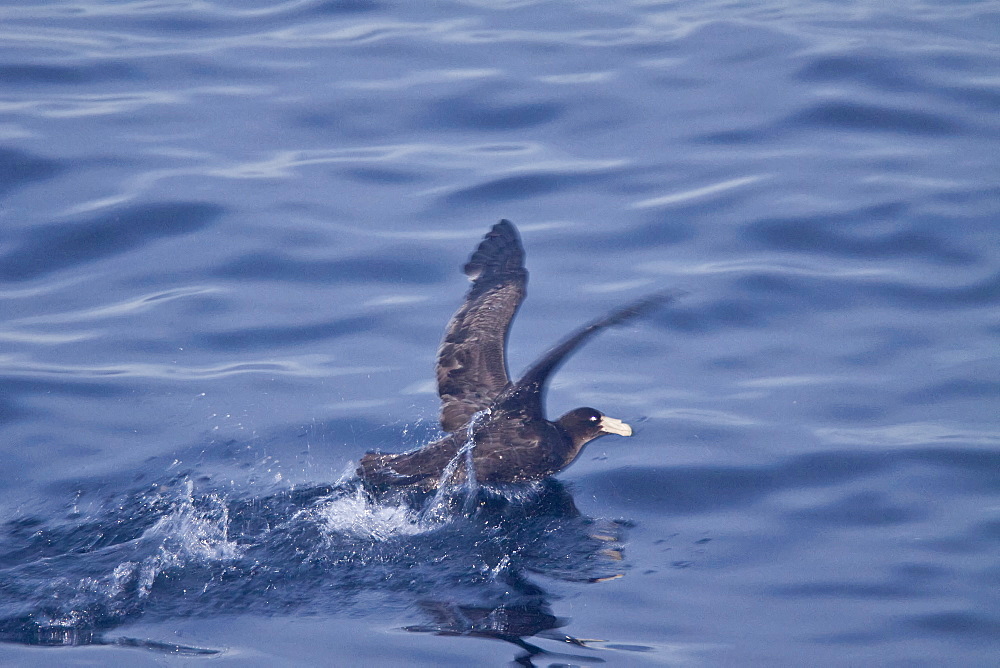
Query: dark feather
point(513, 441)
point(471, 364)
point(528, 393)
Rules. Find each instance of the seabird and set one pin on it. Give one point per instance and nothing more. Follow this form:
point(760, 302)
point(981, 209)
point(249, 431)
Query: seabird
point(511, 440)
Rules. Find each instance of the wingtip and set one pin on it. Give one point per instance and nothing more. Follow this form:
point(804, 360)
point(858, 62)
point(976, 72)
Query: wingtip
point(506, 230)
point(642, 306)
point(499, 252)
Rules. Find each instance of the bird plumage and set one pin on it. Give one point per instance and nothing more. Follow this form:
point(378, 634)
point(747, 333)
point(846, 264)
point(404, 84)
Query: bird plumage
point(512, 440)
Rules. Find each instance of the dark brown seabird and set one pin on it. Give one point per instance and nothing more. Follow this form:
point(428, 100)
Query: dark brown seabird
point(513, 442)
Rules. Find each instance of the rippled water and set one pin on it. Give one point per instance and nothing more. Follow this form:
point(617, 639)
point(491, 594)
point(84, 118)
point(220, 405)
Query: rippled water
point(231, 238)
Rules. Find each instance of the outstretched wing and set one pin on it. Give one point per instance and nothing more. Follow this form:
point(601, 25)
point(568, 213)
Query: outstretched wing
point(526, 395)
point(471, 364)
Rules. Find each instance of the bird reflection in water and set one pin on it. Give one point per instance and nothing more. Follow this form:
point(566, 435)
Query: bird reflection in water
point(546, 537)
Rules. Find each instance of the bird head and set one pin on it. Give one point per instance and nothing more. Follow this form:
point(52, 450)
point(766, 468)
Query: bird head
point(585, 424)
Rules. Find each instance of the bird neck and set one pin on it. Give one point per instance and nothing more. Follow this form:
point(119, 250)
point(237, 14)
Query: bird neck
point(571, 447)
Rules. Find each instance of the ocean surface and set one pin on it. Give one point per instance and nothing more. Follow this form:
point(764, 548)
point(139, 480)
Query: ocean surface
point(232, 233)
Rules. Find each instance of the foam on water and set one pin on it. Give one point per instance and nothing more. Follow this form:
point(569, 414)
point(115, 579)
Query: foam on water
point(356, 514)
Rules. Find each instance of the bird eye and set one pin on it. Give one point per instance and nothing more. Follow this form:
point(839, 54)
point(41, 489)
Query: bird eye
point(593, 418)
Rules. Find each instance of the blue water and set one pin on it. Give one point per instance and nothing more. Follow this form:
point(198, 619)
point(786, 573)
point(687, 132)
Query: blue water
point(231, 235)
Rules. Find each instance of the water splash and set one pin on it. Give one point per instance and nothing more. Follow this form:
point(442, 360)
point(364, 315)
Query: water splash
point(107, 566)
point(176, 548)
point(195, 530)
point(356, 514)
point(451, 485)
